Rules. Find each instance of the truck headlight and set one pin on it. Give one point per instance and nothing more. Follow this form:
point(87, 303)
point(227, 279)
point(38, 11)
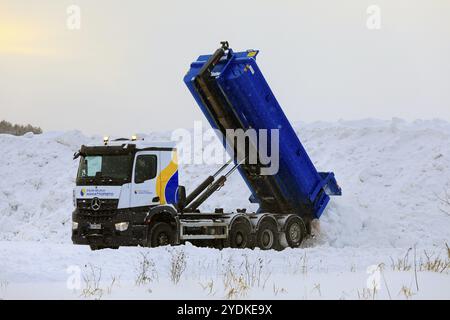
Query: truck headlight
point(74, 225)
point(121, 226)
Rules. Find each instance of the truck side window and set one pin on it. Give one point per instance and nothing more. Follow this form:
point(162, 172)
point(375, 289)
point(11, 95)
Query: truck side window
point(145, 168)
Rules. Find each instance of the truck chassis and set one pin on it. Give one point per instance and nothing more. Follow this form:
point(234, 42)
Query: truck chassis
point(166, 226)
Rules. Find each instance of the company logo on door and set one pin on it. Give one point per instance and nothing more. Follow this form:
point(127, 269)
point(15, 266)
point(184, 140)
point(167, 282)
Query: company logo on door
point(142, 192)
point(98, 192)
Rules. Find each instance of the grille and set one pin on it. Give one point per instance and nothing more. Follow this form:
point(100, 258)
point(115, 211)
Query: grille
point(95, 218)
point(97, 214)
point(105, 205)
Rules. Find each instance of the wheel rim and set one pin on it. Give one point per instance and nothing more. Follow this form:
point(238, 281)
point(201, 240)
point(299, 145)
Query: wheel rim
point(295, 232)
point(267, 239)
point(163, 239)
point(240, 239)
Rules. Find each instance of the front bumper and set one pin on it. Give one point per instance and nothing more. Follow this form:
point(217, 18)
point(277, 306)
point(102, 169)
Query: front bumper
point(105, 234)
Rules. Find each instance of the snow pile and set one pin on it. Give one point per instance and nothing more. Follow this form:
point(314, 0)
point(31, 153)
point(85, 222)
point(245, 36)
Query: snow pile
point(37, 173)
point(391, 172)
point(392, 175)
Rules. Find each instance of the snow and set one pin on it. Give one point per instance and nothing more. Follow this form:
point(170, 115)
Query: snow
point(392, 174)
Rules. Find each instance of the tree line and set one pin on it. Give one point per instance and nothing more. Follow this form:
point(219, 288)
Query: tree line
point(17, 129)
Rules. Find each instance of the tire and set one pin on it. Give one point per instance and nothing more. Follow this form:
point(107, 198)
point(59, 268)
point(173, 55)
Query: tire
point(95, 247)
point(267, 236)
point(161, 234)
point(295, 232)
point(239, 235)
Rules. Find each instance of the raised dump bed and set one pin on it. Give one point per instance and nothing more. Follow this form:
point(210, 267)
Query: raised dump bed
point(233, 94)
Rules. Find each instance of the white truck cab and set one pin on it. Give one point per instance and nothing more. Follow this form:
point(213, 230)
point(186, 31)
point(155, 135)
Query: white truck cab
point(135, 173)
point(123, 178)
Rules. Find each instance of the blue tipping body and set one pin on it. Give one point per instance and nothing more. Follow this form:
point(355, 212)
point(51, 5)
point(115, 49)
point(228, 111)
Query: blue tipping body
point(252, 102)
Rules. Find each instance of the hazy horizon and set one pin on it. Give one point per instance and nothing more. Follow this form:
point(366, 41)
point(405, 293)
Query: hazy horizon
point(122, 72)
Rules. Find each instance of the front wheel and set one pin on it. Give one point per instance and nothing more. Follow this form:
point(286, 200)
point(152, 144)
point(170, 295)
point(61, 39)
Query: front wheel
point(95, 247)
point(161, 234)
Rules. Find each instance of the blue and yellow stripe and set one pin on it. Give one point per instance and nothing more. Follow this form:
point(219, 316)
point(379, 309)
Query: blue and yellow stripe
point(167, 182)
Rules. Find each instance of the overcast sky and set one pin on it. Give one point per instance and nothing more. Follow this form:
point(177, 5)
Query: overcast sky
point(122, 72)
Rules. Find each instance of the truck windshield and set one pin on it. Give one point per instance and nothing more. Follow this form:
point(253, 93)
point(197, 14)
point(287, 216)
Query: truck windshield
point(112, 168)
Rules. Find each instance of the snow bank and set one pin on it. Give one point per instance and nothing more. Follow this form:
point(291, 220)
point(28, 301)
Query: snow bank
point(37, 173)
point(391, 173)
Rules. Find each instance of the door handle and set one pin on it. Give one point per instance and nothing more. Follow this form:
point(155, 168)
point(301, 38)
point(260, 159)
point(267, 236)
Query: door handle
point(155, 199)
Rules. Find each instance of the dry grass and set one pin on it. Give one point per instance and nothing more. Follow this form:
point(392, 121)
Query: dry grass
point(208, 287)
point(434, 263)
point(428, 262)
point(402, 264)
point(91, 283)
point(146, 271)
point(444, 201)
point(304, 264)
point(255, 274)
point(239, 280)
point(367, 294)
point(235, 287)
point(3, 287)
point(177, 265)
point(278, 290)
point(406, 291)
point(316, 288)
point(114, 281)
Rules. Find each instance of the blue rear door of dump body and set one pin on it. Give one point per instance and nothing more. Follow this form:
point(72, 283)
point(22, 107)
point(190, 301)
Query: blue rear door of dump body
point(251, 102)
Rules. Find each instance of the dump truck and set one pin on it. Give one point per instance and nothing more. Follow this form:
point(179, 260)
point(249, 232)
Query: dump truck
point(128, 194)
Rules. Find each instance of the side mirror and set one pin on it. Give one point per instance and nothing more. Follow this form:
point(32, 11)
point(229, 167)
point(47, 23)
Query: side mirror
point(181, 197)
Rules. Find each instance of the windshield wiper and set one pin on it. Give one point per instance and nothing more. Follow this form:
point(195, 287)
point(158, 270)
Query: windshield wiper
point(100, 176)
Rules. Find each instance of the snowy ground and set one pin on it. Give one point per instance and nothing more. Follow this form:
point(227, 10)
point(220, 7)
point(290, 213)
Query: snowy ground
point(390, 226)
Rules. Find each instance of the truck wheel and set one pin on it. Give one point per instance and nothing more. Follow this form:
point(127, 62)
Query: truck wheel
point(267, 236)
point(96, 247)
point(161, 234)
point(295, 232)
point(239, 235)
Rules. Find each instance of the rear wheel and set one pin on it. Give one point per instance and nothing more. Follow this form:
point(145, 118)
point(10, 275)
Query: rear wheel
point(295, 232)
point(240, 235)
point(161, 234)
point(267, 236)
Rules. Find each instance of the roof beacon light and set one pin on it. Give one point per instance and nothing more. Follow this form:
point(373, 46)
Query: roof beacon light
point(133, 137)
point(106, 140)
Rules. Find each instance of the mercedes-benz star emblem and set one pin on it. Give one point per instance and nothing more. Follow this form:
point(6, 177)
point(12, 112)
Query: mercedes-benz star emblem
point(95, 204)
